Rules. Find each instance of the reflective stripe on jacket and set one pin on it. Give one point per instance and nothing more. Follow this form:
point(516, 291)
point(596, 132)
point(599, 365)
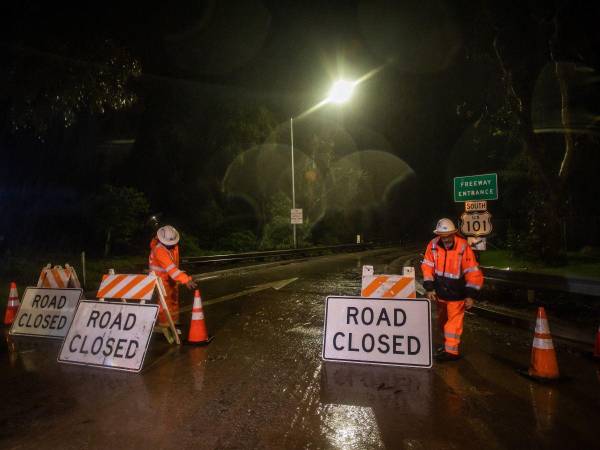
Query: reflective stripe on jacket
point(454, 274)
point(165, 262)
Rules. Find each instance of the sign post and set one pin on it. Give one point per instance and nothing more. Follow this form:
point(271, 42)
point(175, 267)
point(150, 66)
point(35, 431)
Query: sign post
point(378, 331)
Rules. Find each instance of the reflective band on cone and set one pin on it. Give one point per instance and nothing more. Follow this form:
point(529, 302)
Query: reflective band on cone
point(198, 334)
point(12, 306)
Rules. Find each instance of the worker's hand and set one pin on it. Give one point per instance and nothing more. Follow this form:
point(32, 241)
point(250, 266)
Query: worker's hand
point(431, 295)
point(191, 284)
point(469, 302)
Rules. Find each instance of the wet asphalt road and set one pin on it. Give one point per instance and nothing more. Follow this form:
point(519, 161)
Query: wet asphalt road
point(262, 384)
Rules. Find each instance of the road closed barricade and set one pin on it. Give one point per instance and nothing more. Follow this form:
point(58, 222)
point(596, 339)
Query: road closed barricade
point(116, 334)
point(366, 330)
point(388, 286)
point(47, 310)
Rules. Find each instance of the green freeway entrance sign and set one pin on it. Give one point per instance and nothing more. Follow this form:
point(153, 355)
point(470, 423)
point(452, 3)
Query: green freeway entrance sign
point(476, 187)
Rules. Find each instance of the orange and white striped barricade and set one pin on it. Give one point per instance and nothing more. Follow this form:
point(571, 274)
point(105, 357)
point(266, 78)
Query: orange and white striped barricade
point(58, 277)
point(136, 287)
point(388, 286)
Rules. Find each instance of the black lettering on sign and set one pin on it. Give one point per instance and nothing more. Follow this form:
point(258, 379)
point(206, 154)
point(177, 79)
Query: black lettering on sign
point(53, 321)
point(397, 344)
point(81, 349)
point(335, 336)
point(132, 349)
point(364, 316)
point(36, 301)
point(116, 322)
point(351, 312)
point(44, 301)
point(62, 302)
point(46, 323)
point(109, 346)
point(383, 341)
point(120, 346)
point(383, 316)
point(399, 317)
point(129, 322)
point(93, 317)
point(38, 321)
point(71, 349)
point(23, 316)
point(104, 319)
point(413, 340)
point(368, 343)
point(62, 322)
point(97, 345)
point(350, 343)
point(52, 303)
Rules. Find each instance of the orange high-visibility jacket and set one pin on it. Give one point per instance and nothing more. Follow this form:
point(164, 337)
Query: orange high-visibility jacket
point(165, 262)
point(454, 274)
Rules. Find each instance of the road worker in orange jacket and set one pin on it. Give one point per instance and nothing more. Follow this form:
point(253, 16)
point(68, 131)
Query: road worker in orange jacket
point(164, 262)
point(452, 279)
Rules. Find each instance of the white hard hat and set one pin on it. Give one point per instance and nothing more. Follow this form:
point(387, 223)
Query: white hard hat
point(445, 227)
point(168, 235)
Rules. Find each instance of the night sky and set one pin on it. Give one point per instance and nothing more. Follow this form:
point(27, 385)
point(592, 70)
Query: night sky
point(429, 102)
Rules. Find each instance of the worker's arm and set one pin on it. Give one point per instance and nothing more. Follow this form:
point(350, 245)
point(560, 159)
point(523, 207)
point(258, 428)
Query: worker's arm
point(428, 269)
point(166, 261)
point(473, 277)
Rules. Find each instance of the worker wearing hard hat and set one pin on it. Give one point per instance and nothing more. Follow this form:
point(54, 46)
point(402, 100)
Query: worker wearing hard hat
point(451, 278)
point(164, 261)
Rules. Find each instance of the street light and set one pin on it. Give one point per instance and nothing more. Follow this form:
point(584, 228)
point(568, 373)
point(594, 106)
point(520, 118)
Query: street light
point(340, 92)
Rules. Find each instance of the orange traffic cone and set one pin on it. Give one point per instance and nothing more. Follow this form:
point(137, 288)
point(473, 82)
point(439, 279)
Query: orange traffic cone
point(13, 305)
point(543, 357)
point(597, 346)
point(198, 334)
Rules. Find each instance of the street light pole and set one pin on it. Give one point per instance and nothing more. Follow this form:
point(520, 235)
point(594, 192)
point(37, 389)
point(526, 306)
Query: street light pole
point(340, 92)
point(293, 176)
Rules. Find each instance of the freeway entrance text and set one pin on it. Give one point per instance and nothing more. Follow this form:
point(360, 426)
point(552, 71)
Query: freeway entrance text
point(476, 187)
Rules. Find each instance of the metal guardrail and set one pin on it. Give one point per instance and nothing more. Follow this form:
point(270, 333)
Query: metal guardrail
point(540, 281)
point(544, 282)
point(282, 254)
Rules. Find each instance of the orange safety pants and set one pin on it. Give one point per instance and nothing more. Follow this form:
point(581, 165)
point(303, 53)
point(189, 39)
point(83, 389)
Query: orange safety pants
point(450, 319)
point(172, 301)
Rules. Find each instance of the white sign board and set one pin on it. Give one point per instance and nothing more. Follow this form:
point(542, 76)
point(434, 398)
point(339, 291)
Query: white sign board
point(480, 205)
point(46, 312)
point(476, 224)
point(378, 331)
point(296, 216)
point(109, 335)
point(477, 243)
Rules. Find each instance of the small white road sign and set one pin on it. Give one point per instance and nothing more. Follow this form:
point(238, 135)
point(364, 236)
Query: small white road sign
point(477, 243)
point(109, 335)
point(476, 224)
point(296, 216)
point(378, 331)
point(480, 205)
point(46, 312)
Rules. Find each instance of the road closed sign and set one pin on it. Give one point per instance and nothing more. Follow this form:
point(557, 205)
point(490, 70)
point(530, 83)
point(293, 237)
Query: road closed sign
point(109, 335)
point(46, 312)
point(392, 332)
